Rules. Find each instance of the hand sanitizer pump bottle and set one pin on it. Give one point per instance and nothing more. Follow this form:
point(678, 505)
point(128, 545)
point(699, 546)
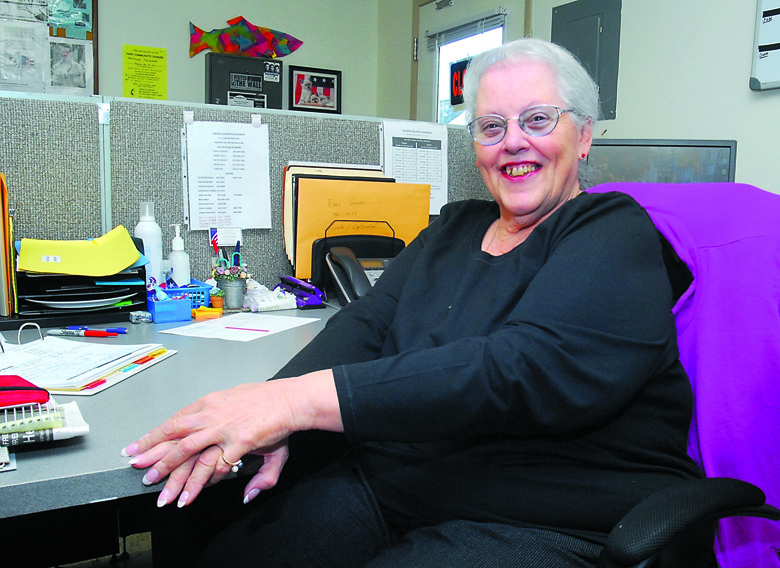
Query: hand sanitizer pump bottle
point(180, 260)
point(150, 233)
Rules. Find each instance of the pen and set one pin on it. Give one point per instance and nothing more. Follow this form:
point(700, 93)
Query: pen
point(81, 332)
point(108, 329)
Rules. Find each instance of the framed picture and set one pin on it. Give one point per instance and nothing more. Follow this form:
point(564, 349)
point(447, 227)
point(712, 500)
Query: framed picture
point(315, 90)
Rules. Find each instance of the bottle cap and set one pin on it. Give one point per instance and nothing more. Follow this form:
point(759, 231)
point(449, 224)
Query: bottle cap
point(147, 211)
point(178, 242)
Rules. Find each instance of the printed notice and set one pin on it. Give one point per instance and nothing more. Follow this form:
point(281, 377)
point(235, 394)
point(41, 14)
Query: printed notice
point(416, 152)
point(228, 177)
point(144, 72)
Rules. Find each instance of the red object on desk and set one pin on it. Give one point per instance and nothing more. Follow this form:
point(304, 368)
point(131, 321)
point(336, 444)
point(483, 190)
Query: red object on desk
point(98, 333)
point(16, 390)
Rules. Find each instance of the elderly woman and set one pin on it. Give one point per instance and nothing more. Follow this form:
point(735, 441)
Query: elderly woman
point(508, 389)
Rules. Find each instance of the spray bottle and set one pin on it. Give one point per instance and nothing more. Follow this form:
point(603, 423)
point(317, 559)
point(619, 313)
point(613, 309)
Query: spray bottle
point(150, 233)
point(179, 260)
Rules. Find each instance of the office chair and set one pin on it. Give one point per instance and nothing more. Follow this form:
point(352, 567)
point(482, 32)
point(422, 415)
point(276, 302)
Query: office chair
point(728, 327)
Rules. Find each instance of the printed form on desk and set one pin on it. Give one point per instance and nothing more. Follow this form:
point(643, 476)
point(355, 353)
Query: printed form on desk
point(74, 367)
point(240, 327)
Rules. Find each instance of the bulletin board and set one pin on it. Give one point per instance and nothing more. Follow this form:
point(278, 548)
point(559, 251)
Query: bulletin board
point(49, 46)
point(765, 73)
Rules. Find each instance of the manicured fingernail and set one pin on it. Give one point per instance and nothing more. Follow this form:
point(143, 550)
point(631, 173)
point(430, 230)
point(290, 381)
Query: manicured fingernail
point(183, 498)
point(130, 450)
point(251, 495)
point(165, 496)
point(150, 477)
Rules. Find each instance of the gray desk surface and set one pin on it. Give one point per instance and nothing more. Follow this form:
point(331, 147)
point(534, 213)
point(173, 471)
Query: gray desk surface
point(91, 469)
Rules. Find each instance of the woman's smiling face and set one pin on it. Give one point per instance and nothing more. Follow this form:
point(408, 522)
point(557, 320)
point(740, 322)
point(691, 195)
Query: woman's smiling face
point(529, 177)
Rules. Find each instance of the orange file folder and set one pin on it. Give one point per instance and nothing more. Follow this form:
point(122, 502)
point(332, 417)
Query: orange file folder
point(355, 207)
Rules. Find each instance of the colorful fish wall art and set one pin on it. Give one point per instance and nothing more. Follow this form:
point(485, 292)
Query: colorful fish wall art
point(243, 38)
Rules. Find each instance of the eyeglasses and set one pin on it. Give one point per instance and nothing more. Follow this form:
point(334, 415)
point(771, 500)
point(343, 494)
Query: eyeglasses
point(537, 120)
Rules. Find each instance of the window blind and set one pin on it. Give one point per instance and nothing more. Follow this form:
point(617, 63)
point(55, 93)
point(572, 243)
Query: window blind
point(478, 26)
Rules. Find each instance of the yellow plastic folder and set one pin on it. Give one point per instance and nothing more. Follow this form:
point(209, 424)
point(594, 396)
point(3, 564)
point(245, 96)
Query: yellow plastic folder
point(353, 207)
point(103, 256)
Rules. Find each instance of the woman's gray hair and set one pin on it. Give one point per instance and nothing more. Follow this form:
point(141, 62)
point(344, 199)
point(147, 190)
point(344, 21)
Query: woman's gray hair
point(575, 86)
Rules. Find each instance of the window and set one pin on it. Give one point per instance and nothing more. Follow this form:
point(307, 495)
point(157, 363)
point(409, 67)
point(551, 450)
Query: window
point(455, 43)
point(456, 51)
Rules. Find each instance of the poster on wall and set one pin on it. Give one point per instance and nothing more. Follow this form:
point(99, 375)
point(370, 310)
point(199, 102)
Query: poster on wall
point(23, 46)
point(71, 67)
point(48, 46)
point(25, 10)
point(144, 72)
point(71, 18)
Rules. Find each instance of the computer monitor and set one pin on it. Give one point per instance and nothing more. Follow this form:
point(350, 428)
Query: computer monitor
point(661, 161)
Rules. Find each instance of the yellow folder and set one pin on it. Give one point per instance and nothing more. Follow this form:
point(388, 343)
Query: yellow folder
point(103, 256)
point(355, 207)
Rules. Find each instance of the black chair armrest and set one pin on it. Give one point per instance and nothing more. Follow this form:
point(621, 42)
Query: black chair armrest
point(688, 508)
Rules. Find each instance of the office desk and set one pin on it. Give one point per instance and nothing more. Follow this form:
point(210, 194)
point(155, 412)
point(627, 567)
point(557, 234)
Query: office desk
point(90, 469)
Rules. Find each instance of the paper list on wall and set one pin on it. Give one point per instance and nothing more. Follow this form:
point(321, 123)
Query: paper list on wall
point(228, 176)
point(766, 65)
point(416, 152)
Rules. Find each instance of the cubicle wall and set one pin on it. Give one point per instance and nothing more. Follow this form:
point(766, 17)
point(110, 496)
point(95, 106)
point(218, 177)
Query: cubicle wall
point(77, 168)
point(50, 152)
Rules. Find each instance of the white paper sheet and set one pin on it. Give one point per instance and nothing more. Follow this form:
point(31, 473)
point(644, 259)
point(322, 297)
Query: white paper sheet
point(228, 176)
point(416, 152)
point(240, 327)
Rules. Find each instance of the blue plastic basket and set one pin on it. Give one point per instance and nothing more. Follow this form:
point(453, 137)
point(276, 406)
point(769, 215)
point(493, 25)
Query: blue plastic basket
point(198, 293)
point(169, 310)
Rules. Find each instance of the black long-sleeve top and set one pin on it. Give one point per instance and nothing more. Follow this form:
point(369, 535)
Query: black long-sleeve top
point(539, 387)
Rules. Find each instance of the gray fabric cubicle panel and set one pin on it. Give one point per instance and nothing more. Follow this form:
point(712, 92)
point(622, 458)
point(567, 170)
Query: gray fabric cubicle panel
point(146, 166)
point(50, 151)
point(50, 154)
point(464, 179)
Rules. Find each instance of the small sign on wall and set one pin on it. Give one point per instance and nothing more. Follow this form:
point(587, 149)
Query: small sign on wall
point(240, 80)
point(457, 72)
point(766, 50)
point(144, 72)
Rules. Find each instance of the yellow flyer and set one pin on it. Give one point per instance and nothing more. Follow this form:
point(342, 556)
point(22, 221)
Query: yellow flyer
point(144, 72)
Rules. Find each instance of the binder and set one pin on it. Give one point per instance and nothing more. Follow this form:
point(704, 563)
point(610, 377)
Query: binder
point(6, 252)
point(75, 367)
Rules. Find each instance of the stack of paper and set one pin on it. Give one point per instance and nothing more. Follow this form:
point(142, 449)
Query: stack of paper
point(296, 170)
point(66, 366)
point(65, 277)
point(322, 200)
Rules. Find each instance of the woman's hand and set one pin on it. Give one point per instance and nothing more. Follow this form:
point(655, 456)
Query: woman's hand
point(193, 447)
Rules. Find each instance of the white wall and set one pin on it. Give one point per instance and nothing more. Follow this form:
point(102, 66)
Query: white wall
point(394, 58)
point(684, 66)
point(684, 71)
point(336, 34)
